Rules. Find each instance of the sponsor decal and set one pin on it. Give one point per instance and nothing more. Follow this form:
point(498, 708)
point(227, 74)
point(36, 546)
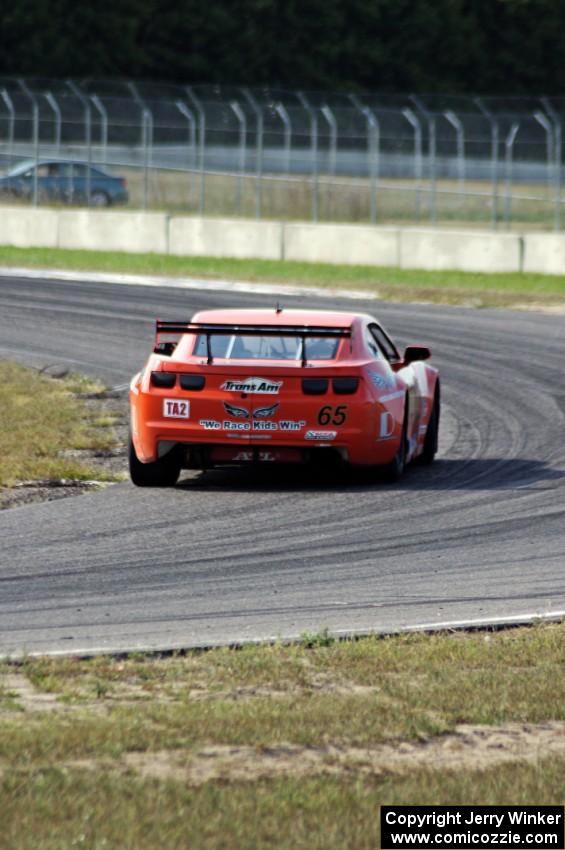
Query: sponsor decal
point(255, 436)
point(247, 421)
point(382, 382)
point(253, 386)
point(176, 408)
point(386, 428)
point(259, 419)
point(320, 435)
point(393, 396)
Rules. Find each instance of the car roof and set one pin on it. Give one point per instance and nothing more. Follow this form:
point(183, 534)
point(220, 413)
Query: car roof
point(329, 318)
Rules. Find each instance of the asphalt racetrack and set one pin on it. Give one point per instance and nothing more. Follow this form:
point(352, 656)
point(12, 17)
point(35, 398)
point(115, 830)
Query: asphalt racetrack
point(229, 556)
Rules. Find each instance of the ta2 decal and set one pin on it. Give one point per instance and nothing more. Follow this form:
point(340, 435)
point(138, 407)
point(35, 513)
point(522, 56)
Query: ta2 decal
point(174, 408)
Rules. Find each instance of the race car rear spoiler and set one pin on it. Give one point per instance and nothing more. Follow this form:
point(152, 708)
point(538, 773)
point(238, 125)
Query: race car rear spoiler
point(209, 329)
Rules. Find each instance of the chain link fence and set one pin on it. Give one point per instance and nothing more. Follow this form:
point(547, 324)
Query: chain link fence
point(275, 154)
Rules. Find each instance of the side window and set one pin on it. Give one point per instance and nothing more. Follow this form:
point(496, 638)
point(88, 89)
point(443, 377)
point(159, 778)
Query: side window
point(385, 344)
point(371, 343)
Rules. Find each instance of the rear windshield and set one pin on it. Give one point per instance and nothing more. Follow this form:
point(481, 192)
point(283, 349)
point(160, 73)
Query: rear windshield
point(241, 347)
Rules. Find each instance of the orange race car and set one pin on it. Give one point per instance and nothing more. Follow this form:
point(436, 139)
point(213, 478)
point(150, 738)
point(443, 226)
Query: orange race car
point(280, 386)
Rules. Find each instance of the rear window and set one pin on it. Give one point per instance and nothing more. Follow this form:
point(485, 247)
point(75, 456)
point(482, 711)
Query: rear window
point(241, 347)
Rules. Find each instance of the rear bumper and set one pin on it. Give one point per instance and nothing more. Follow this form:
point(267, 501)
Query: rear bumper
point(160, 424)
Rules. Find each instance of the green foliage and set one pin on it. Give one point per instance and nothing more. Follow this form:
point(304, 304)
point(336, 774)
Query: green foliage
point(483, 46)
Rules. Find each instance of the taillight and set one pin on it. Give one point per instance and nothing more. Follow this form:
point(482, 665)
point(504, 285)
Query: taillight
point(163, 379)
point(314, 386)
point(124, 182)
point(345, 386)
point(192, 382)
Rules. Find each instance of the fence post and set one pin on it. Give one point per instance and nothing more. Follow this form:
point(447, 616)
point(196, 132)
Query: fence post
point(557, 158)
point(184, 110)
point(418, 160)
point(494, 143)
point(544, 122)
point(457, 125)
point(87, 133)
point(103, 125)
point(285, 118)
point(258, 151)
point(330, 118)
point(35, 112)
point(509, 149)
point(8, 101)
point(57, 110)
point(314, 151)
point(201, 145)
point(432, 164)
point(240, 115)
point(373, 149)
point(147, 123)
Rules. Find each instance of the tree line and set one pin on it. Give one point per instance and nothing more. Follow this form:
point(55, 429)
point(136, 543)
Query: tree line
point(466, 46)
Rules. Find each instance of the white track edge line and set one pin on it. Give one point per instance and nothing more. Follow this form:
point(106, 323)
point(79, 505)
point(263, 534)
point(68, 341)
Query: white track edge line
point(449, 625)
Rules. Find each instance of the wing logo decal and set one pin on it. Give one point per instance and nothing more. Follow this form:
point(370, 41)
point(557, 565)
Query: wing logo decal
point(232, 410)
point(264, 412)
point(244, 413)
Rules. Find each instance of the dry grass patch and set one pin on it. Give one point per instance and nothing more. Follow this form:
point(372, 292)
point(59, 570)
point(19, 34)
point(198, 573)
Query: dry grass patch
point(49, 429)
point(285, 746)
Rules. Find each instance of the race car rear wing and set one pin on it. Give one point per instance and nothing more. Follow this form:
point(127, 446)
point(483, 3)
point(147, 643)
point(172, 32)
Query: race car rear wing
point(208, 329)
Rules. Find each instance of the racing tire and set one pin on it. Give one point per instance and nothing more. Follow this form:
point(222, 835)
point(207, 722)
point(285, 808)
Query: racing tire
point(163, 472)
point(394, 470)
point(431, 439)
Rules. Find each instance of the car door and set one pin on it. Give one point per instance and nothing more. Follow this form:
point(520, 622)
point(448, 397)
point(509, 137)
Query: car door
point(408, 376)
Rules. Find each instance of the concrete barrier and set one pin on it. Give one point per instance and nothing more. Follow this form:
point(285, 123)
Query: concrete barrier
point(114, 231)
point(544, 253)
point(408, 248)
point(28, 228)
point(225, 237)
point(465, 250)
point(342, 243)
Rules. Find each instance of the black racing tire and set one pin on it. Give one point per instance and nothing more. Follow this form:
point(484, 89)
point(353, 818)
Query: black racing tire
point(160, 473)
point(431, 439)
point(393, 471)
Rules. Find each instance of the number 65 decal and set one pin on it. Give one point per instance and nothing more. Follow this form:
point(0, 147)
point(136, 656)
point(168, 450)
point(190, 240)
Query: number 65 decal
point(336, 416)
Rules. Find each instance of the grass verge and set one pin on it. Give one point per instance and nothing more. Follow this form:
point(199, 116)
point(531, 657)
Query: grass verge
point(277, 746)
point(46, 424)
point(449, 287)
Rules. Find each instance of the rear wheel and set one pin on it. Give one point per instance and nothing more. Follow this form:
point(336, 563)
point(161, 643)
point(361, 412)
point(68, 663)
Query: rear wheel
point(431, 439)
point(98, 198)
point(163, 472)
point(393, 471)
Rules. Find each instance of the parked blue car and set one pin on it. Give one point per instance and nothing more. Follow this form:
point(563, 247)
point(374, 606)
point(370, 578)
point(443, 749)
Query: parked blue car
point(64, 181)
